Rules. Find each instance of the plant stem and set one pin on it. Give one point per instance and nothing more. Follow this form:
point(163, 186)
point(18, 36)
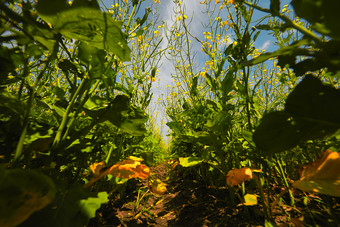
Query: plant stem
point(283, 175)
point(298, 27)
point(19, 148)
point(266, 209)
point(67, 112)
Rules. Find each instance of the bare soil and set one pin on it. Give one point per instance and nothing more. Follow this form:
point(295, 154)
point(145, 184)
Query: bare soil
point(190, 202)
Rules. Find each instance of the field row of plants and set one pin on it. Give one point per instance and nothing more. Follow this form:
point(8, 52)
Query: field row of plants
point(77, 112)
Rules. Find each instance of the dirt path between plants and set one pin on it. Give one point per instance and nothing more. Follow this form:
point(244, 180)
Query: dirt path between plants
point(190, 202)
point(187, 202)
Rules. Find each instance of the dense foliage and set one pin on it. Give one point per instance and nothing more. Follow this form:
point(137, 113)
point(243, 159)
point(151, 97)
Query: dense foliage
point(76, 117)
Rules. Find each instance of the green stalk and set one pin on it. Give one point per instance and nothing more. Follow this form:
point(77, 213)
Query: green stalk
point(108, 157)
point(298, 27)
point(67, 112)
point(283, 175)
point(79, 109)
point(19, 148)
point(266, 208)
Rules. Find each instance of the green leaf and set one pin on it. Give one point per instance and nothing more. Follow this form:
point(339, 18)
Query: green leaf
point(90, 25)
point(277, 132)
point(95, 102)
point(51, 7)
point(323, 15)
point(86, 3)
point(219, 122)
point(313, 101)
point(120, 113)
point(275, 7)
point(250, 200)
point(227, 83)
point(211, 82)
point(190, 161)
point(312, 111)
point(76, 207)
point(327, 187)
point(34, 50)
point(268, 224)
point(23, 192)
point(94, 57)
point(89, 206)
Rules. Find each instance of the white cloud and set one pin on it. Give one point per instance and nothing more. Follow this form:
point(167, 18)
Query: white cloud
point(265, 45)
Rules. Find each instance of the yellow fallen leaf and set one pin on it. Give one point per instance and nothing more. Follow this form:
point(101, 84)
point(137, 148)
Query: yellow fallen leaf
point(238, 176)
point(126, 169)
point(157, 186)
point(322, 176)
point(96, 168)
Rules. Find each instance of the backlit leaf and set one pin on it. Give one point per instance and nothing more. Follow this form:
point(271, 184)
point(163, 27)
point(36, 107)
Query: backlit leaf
point(322, 176)
point(238, 176)
point(126, 169)
point(89, 205)
point(96, 168)
point(190, 161)
point(23, 192)
point(157, 186)
point(250, 200)
point(86, 24)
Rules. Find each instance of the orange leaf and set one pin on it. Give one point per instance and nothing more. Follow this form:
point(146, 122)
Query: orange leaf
point(96, 167)
point(128, 169)
point(326, 168)
point(322, 176)
point(157, 186)
point(238, 176)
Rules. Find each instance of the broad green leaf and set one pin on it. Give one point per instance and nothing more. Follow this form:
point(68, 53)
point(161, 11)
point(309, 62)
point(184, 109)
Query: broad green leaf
point(93, 57)
point(134, 126)
point(51, 7)
point(311, 112)
point(76, 207)
point(280, 131)
point(87, 24)
point(34, 50)
point(23, 192)
point(90, 205)
point(308, 9)
point(85, 3)
point(10, 105)
point(211, 82)
point(67, 66)
point(95, 102)
point(219, 122)
point(250, 200)
point(323, 15)
point(120, 113)
point(268, 223)
point(322, 176)
point(227, 83)
point(9, 60)
point(190, 161)
point(58, 111)
point(313, 101)
point(275, 7)
point(327, 187)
